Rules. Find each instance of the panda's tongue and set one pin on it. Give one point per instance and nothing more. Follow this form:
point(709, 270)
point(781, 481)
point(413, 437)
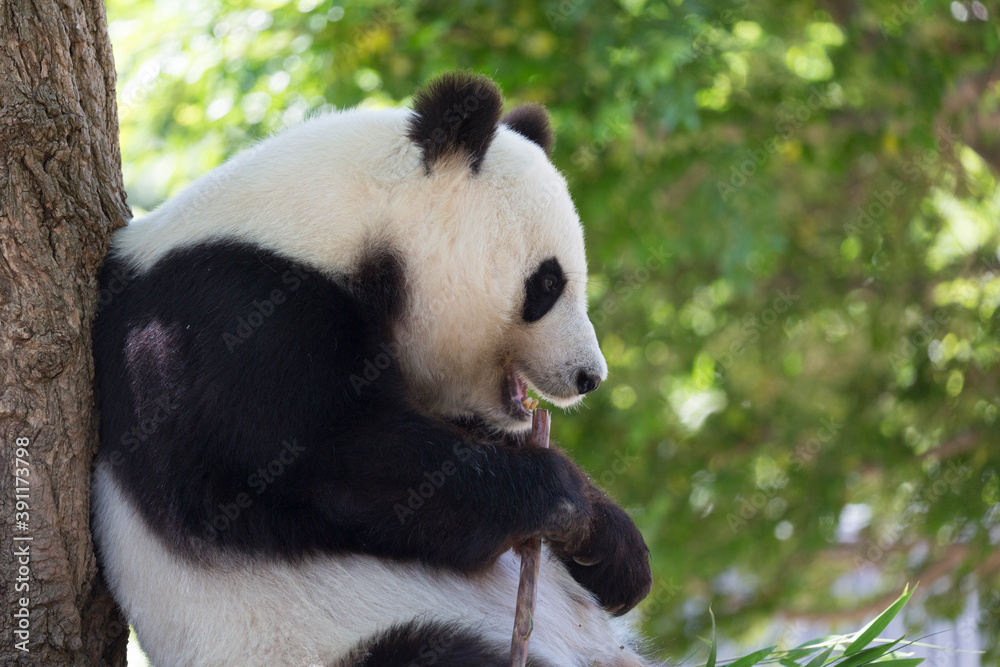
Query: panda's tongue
point(518, 389)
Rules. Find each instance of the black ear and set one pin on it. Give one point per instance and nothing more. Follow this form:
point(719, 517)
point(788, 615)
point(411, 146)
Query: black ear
point(532, 122)
point(457, 113)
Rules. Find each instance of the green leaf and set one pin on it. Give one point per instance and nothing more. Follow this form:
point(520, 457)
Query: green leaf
point(867, 655)
point(753, 658)
point(872, 630)
point(806, 648)
point(714, 650)
point(900, 662)
point(821, 658)
point(797, 653)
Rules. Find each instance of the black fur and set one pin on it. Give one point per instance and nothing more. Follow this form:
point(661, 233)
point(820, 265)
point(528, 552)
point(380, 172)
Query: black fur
point(542, 289)
point(252, 405)
point(457, 113)
point(380, 284)
point(418, 644)
point(532, 122)
point(613, 561)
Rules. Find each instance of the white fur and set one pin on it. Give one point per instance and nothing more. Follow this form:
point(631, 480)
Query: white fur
point(245, 613)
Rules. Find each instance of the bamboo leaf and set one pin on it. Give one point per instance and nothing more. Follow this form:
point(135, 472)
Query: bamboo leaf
point(753, 658)
point(820, 659)
point(813, 643)
point(712, 651)
point(900, 662)
point(867, 655)
point(794, 654)
point(806, 648)
point(872, 630)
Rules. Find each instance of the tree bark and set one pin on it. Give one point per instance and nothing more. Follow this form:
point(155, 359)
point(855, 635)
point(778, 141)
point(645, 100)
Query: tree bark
point(61, 196)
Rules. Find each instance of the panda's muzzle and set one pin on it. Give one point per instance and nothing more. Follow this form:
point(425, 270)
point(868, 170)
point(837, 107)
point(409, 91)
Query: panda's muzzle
point(560, 389)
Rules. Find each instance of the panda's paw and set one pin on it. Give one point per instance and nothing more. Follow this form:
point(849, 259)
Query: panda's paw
point(567, 526)
point(568, 514)
point(613, 563)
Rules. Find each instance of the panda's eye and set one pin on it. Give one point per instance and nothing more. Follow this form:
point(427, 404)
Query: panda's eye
point(542, 289)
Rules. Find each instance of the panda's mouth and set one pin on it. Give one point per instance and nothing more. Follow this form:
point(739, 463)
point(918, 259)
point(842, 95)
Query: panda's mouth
point(517, 390)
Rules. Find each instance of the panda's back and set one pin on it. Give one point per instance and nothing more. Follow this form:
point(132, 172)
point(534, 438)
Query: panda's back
point(313, 188)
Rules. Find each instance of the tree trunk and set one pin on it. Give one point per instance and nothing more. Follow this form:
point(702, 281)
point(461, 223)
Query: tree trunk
point(61, 196)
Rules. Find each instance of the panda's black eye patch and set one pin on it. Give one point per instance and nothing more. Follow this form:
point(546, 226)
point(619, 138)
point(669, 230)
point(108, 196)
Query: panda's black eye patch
point(542, 289)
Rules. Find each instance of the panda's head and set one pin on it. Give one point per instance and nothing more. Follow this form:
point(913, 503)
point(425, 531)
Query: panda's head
point(495, 264)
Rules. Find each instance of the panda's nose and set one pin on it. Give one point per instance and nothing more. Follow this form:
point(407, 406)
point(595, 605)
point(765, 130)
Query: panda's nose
point(587, 382)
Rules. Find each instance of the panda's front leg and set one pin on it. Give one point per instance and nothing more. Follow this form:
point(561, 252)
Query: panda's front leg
point(613, 561)
point(427, 490)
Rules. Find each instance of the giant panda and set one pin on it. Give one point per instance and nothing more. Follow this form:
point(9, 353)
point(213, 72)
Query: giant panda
point(311, 368)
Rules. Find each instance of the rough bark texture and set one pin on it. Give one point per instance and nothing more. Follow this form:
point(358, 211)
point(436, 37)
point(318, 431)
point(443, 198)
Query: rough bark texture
point(61, 195)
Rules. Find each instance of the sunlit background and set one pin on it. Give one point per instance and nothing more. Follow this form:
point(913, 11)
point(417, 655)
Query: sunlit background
point(792, 217)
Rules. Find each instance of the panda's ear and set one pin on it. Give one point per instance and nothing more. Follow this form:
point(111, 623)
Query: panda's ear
point(457, 113)
point(532, 122)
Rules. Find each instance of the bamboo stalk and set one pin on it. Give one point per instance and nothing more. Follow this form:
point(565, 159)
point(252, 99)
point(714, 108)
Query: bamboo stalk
point(531, 554)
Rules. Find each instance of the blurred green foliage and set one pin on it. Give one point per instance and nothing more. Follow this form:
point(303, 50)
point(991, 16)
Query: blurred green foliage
point(792, 216)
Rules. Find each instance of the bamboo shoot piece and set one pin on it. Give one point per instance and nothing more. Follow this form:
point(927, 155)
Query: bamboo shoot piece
point(531, 554)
